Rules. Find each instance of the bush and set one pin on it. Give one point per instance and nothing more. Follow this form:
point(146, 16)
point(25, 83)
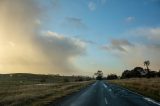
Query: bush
point(126, 74)
point(138, 72)
point(66, 80)
point(98, 78)
point(158, 73)
point(112, 76)
point(151, 74)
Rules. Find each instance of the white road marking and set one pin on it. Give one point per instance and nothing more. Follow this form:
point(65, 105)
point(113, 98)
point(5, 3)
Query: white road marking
point(150, 100)
point(105, 100)
point(110, 90)
point(145, 98)
point(45, 84)
point(105, 85)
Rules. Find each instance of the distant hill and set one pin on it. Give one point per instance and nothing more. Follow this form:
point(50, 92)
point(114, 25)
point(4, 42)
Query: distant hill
point(27, 78)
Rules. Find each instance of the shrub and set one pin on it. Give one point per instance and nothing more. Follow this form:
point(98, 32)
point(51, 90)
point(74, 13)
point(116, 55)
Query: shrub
point(112, 76)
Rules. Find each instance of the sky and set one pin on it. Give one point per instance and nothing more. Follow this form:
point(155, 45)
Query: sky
point(78, 37)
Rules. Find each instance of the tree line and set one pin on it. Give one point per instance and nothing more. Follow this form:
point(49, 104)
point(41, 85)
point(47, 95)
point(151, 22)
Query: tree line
point(137, 72)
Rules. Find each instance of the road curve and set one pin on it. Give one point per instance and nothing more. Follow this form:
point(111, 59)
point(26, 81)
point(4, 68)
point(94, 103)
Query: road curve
point(104, 94)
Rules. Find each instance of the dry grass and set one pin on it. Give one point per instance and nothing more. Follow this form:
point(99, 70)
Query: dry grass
point(147, 87)
point(37, 94)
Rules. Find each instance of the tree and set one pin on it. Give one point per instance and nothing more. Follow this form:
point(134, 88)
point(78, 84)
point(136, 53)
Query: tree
point(136, 72)
point(126, 74)
point(151, 74)
point(147, 63)
point(99, 75)
point(158, 73)
point(112, 76)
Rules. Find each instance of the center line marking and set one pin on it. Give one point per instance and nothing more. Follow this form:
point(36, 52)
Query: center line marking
point(105, 100)
point(105, 85)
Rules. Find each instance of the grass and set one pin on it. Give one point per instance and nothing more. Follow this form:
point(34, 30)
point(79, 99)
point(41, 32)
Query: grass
point(28, 90)
point(37, 94)
point(147, 87)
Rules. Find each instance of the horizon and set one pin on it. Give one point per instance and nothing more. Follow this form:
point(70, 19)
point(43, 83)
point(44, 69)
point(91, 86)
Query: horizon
point(78, 37)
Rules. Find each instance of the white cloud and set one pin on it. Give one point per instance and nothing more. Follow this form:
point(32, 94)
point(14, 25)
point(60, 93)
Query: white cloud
point(37, 21)
point(60, 50)
point(149, 33)
point(75, 41)
point(141, 52)
point(23, 49)
point(130, 19)
point(92, 6)
point(54, 34)
point(148, 49)
point(132, 55)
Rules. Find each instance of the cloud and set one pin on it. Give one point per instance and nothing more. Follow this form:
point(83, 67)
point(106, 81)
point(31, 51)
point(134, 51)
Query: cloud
point(70, 40)
point(148, 49)
point(23, 48)
point(118, 45)
point(148, 33)
point(38, 22)
point(60, 50)
point(130, 19)
point(92, 6)
point(90, 41)
point(141, 52)
point(131, 55)
point(74, 23)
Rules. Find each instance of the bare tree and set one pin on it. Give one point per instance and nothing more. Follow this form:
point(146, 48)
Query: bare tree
point(147, 63)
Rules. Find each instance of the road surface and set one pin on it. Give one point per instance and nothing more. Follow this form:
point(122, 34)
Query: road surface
point(104, 94)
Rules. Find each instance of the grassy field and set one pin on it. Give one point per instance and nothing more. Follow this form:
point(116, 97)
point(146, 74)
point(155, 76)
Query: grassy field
point(147, 87)
point(28, 90)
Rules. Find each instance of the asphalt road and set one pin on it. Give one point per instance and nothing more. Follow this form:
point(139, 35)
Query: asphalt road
point(104, 94)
